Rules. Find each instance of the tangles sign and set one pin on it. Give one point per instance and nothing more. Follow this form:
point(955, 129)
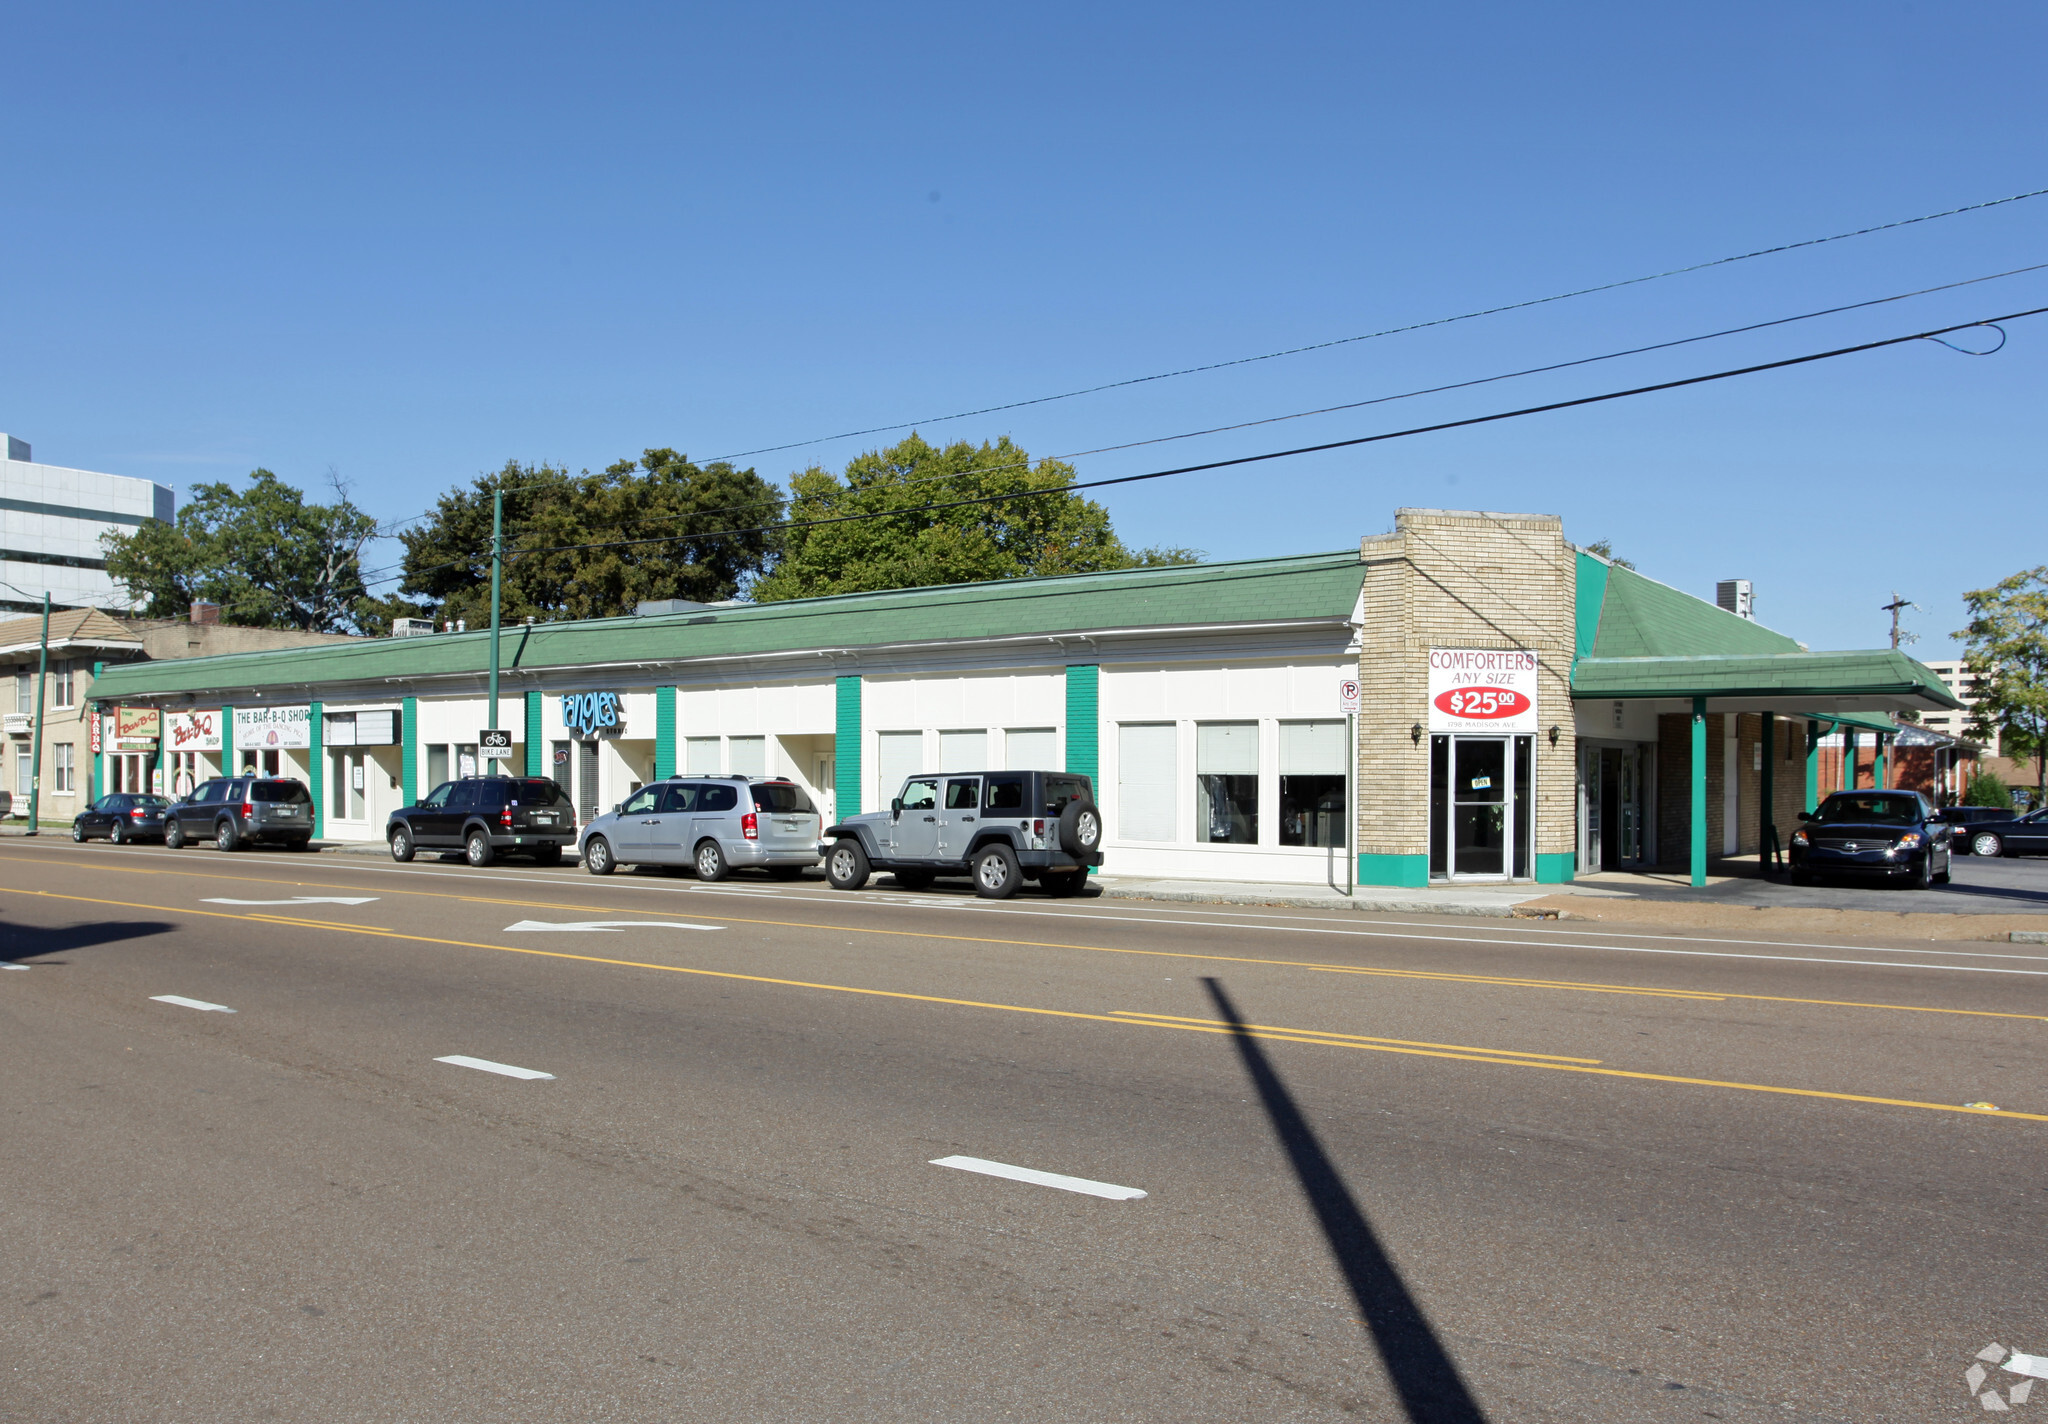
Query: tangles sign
point(1479, 690)
point(192, 731)
point(273, 728)
point(588, 713)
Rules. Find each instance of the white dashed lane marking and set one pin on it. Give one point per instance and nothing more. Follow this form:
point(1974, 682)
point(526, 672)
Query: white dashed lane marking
point(184, 1003)
point(303, 900)
point(1042, 1179)
point(484, 1065)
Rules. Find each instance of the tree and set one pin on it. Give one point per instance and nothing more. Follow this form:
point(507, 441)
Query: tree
point(1605, 549)
point(1048, 533)
point(636, 507)
point(1986, 789)
point(2006, 647)
point(269, 558)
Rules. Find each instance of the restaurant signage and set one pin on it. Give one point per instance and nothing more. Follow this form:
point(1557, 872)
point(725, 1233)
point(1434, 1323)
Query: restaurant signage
point(274, 728)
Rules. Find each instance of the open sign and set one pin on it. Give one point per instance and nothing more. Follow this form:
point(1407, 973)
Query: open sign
point(1482, 703)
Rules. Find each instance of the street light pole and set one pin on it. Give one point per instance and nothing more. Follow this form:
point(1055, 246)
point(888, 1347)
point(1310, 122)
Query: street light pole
point(35, 785)
point(497, 584)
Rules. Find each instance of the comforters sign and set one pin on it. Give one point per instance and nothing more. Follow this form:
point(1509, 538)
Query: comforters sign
point(1481, 691)
point(271, 728)
point(588, 713)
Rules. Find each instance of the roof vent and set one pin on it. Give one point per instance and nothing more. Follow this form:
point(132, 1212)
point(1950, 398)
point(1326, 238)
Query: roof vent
point(1737, 596)
point(656, 607)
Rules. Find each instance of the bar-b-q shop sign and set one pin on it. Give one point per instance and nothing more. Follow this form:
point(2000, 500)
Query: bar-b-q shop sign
point(1481, 691)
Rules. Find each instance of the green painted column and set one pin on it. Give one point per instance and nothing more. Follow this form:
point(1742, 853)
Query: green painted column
point(1813, 736)
point(664, 733)
point(1698, 846)
point(409, 751)
point(1084, 709)
point(536, 745)
point(315, 744)
point(1849, 754)
point(846, 747)
point(228, 764)
point(1767, 814)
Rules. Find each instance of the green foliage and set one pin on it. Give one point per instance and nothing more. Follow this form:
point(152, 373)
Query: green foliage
point(659, 496)
point(2006, 646)
point(269, 558)
point(1987, 790)
point(1605, 549)
point(1049, 533)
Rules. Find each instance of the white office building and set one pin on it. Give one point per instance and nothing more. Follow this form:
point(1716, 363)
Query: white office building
point(51, 520)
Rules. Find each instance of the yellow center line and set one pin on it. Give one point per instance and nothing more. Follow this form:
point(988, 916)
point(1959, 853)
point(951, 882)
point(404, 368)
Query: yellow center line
point(1348, 1039)
point(1489, 1056)
point(1506, 981)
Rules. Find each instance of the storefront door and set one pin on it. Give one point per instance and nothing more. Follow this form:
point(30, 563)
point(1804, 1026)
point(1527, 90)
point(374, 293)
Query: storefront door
point(1611, 796)
point(1479, 816)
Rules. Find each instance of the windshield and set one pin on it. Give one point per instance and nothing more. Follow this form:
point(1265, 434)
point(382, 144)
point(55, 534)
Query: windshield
point(780, 798)
point(1874, 809)
point(279, 791)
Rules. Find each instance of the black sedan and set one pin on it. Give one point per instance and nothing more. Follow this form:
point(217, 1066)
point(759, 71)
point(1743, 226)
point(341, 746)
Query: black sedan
point(2024, 835)
point(1887, 835)
point(123, 816)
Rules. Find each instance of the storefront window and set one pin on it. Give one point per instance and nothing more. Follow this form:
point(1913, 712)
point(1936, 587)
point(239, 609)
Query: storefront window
point(1312, 783)
point(749, 756)
point(1145, 780)
point(700, 756)
point(437, 765)
point(1227, 782)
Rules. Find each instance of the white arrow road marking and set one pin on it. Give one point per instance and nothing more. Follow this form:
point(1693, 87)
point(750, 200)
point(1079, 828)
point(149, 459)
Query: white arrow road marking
point(303, 900)
point(606, 926)
point(22, 967)
point(1038, 1178)
point(463, 1060)
point(184, 1003)
point(2034, 1365)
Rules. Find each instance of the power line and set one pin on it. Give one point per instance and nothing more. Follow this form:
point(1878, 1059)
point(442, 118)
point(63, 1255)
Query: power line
point(1395, 330)
point(1324, 446)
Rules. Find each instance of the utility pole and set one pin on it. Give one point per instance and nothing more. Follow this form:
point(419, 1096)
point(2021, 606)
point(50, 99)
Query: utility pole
point(1897, 606)
point(497, 584)
point(35, 784)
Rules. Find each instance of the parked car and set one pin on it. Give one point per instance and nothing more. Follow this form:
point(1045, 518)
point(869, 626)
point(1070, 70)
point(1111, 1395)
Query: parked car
point(122, 816)
point(2017, 835)
point(238, 811)
point(1000, 828)
point(1893, 835)
point(487, 816)
point(712, 823)
point(1967, 823)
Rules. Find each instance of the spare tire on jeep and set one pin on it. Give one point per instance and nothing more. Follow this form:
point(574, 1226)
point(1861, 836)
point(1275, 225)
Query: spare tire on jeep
point(1080, 828)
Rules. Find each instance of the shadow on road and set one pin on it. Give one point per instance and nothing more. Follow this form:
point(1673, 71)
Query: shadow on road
point(1431, 1390)
point(24, 942)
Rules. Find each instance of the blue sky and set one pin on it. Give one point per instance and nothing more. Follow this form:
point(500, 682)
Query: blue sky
point(408, 243)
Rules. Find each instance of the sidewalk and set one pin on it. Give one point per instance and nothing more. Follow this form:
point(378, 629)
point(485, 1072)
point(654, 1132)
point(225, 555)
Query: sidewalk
point(1495, 901)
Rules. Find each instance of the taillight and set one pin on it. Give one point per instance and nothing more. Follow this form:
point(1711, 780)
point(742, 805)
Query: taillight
point(248, 810)
point(750, 826)
point(137, 815)
point(505, 818)
point(1038, 828)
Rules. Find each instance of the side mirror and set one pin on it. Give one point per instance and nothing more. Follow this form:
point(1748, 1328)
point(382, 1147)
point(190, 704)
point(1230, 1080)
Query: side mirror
point(618, 806)
point(1806, 815)
point(895, 805)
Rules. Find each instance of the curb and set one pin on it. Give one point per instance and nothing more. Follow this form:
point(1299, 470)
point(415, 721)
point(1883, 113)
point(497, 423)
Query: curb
point(1310, 902)
point(2029, 937)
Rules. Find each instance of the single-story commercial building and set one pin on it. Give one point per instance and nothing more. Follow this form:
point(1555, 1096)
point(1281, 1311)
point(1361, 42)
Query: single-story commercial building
point(1466, 697)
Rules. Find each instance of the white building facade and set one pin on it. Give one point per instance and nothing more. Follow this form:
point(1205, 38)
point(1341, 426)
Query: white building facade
point(51, 520)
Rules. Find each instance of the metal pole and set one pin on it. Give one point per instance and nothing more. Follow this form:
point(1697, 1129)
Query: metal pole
point(35, 784)
point(1767, 819)
point(1698, 847)
point(497, 583)
point(1350, 803)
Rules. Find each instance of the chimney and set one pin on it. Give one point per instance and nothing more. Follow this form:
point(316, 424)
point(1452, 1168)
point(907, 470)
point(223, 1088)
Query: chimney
point(1737, 596)
point(205, 612)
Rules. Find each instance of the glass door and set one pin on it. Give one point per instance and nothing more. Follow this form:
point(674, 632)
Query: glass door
point(1479, 806)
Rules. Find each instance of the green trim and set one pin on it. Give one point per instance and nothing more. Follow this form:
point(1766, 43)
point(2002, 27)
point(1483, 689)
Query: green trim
point(228, 754)
point(1697, 850)
point(1640, 617)
point(846, 747)
point(664, 733)
point(315, 744)
point(1878, 672)
point(536, 744)
point(1591, 588)
point(409, 751)
point(1084, 704)
point(1409, 872)
point(1767, 825)
point(1555, 867)
point(1813, 735)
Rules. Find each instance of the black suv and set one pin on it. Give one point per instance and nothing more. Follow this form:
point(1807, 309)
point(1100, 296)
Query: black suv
point(487, 816)
point(999, 827)
point(238, 811)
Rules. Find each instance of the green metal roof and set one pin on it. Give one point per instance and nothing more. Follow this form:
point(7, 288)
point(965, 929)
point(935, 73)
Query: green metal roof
point(1641, 618)
point(1790, 675)
point(1312, 586)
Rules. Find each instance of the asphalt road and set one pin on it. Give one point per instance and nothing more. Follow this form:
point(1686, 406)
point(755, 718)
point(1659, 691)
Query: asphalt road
point(1391, 1168)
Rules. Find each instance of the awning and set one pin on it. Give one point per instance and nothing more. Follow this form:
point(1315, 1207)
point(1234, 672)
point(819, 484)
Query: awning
point(1821, 684)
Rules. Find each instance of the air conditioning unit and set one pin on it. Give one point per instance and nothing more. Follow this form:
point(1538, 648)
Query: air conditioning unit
point(411, 627)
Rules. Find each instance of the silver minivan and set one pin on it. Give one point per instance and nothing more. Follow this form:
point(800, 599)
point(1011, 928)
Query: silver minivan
point(712, 823)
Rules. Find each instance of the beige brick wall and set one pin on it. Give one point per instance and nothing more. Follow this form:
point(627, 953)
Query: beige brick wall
point(1460, 579)
point(1674, 790)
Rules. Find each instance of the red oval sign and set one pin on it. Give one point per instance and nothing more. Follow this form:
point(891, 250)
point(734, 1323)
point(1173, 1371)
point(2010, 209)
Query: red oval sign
point(1482, 703)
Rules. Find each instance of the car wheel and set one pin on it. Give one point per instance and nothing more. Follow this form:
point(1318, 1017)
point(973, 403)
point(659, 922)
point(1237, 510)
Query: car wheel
point(476, 848)
point(995, 872)
point(174, 836)
point(1987, 843)
point(401, 845)
point(1921, 875)
point(1063, 883)
point(547, 855)
point(77, 831)
point(914, 879)
point(711, 866)
point(597, 856)
point(117, 834)
point(225, 836)
point(846, 865)
point(1080, 828)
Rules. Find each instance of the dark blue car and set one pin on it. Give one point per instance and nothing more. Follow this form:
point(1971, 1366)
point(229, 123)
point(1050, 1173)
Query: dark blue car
point(1882, 835)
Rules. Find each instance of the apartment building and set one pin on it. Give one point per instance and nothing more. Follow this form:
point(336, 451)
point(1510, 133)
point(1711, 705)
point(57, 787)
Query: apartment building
point(51, 520)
